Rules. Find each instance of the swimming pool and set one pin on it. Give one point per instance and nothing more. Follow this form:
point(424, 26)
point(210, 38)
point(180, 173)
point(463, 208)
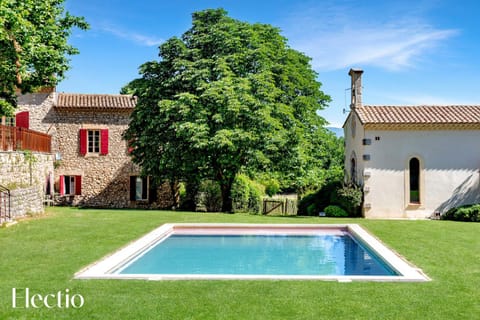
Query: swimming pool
point(253, 251)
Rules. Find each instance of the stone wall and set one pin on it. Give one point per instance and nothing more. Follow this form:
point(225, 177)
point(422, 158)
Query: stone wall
point(29, 176)
point(25, 201)
point(19, 169)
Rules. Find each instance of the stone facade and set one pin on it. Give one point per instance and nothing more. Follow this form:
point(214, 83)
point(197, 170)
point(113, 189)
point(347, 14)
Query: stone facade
point(105, 178)
point(102, 178)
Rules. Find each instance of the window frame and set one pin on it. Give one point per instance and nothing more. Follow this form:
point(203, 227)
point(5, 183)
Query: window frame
point(414, 195)
point(94, 141)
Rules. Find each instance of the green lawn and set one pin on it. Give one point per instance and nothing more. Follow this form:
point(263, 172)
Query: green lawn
point(43, 254)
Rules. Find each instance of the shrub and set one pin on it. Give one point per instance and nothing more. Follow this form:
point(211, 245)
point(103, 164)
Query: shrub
point(272, 187)
point(312, 210)
point(335, 211)
point(255, 198)
point(319, 199)
point(240, 193)
point(246, 195)
point(210, 196)
point(6, 109)
point(469, 213)
point(348, 197)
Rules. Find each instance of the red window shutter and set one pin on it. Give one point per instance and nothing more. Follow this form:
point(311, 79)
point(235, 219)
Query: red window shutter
point(62, 185)
point(22, 120)
point(83, 142)
point(104, 141)
point(78, 185)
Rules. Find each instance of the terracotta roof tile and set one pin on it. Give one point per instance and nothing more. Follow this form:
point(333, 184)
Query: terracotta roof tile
point(454, 114)
point(95, 101)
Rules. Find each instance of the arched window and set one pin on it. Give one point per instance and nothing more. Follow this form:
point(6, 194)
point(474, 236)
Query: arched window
point(353, 170)
point(414, 168)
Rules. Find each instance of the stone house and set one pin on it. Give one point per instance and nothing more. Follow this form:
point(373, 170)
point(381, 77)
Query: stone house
point(412, 161)
point(92, 164)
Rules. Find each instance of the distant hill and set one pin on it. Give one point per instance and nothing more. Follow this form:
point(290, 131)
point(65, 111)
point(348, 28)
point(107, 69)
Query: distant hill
point(338, 131)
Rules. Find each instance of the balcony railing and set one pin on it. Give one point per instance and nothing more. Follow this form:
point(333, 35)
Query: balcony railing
point(7, 121)
point(16, 139)
point(5, 214)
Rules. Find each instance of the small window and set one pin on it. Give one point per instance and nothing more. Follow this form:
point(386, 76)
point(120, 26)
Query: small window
point(414, 166)
point(353, 170)
point(377, 138)
point(93, 141)
point(367, 142)
point(70, 185)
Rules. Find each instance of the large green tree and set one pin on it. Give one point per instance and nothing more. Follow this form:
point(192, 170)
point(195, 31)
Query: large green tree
point(33, 45)
point(225, 97)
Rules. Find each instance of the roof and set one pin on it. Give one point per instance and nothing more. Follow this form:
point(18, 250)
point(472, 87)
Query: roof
point(95, 101)
point(419, 116)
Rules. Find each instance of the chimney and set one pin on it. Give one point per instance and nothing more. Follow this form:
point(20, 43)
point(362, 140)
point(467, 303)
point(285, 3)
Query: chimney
point(356, 88)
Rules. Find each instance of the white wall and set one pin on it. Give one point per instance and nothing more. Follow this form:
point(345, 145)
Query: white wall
point(450, 171)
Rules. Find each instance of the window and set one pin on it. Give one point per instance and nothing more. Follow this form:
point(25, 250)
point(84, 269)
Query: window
point(70, 185)
point(93, 141)
point(353, 170)
point(141, 189)
point(414, 168)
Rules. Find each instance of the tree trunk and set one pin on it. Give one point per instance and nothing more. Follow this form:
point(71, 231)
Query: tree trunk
point(190, 203)
point(227, 203)
point(174, 190)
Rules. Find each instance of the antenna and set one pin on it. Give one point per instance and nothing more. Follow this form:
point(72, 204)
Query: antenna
point(345, 98)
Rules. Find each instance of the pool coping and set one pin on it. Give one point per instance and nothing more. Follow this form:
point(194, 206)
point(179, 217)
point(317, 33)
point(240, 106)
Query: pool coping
point(106, 266)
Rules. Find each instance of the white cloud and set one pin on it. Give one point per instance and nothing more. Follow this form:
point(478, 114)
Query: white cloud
point(137, 38)
point(340, 35)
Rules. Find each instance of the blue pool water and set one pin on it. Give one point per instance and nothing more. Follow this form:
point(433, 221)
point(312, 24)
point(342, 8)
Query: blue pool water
point(259, 255)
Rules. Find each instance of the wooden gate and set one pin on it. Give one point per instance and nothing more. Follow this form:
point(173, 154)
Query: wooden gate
point(279, 206)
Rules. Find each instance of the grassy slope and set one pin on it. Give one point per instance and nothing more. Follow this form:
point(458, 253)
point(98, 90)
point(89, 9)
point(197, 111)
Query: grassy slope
point(43, 254)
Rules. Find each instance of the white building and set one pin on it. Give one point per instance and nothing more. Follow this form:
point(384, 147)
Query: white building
point(412, 161)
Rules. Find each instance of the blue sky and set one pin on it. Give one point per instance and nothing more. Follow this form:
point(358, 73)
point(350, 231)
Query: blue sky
point(412, 52)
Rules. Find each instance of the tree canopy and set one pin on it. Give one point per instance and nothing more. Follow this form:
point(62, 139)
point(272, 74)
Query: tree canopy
point(33, 45)
point(227, 96)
